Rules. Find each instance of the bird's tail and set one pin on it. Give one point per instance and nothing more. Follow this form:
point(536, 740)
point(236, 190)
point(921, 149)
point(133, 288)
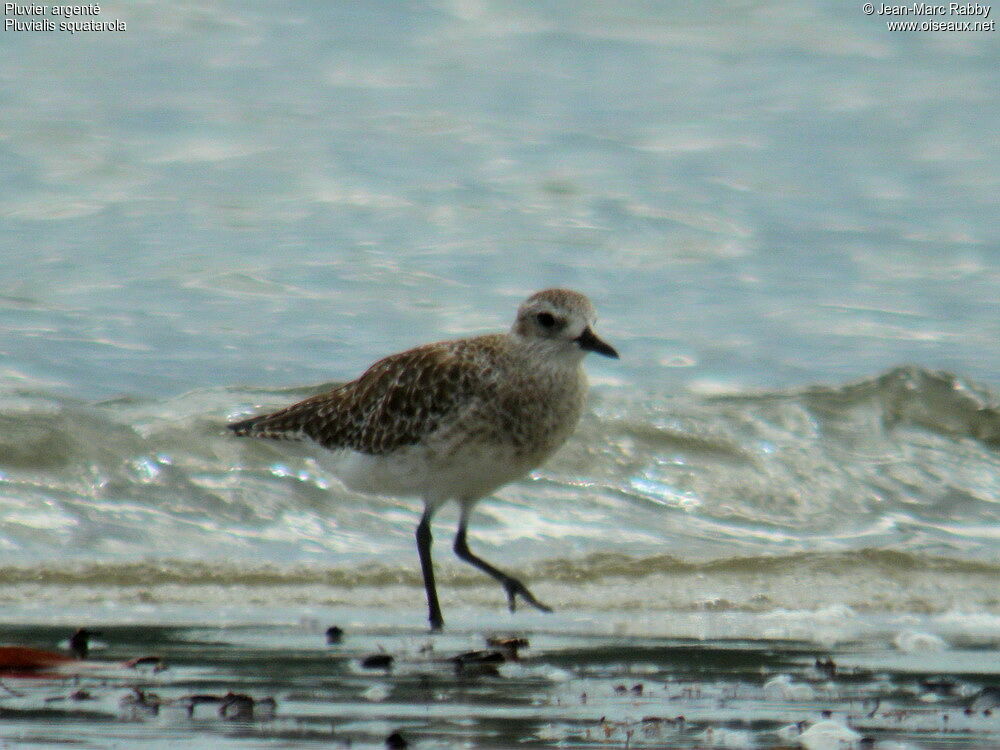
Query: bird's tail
point(246, 427)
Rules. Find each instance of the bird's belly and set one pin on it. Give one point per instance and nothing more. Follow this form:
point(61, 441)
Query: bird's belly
point(469, 472)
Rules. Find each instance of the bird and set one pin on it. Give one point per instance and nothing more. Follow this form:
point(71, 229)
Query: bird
point(454, 420)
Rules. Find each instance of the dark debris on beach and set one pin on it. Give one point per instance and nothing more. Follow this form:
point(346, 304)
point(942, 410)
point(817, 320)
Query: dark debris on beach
point(287, 684)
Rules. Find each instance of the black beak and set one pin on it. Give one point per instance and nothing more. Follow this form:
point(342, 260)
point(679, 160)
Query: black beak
point(588, 341)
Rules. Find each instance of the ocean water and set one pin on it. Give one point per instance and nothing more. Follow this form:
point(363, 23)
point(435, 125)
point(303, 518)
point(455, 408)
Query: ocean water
point(785, 214)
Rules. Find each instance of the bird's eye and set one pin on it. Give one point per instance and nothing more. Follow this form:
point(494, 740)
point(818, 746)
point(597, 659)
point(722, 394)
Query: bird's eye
point(545, 320)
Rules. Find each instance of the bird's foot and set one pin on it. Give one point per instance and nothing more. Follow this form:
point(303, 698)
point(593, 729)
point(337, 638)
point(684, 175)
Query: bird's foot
point(514, 587)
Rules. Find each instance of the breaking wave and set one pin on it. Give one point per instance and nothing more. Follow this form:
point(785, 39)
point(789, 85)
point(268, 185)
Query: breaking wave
point(888, 485)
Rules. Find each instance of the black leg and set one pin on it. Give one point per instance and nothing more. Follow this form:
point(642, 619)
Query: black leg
point(427, 567)
point(511, 585)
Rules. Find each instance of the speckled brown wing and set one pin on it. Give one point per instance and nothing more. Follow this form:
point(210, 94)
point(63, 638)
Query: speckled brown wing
point(398, 401)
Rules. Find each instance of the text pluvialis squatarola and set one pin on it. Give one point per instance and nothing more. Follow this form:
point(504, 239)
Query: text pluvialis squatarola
point(455, 420)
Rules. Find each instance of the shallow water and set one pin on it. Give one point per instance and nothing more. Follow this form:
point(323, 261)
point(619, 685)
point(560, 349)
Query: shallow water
point(786, 217)
point(749, 497)
point(571, 686)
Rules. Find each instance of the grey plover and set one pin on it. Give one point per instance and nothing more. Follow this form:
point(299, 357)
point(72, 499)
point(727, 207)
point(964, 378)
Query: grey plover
point(455, 420)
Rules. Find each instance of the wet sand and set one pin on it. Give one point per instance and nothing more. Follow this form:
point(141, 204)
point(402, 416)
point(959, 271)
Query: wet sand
point(287, 686)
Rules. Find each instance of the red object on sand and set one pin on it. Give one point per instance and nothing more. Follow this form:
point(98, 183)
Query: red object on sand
point(24, 659)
